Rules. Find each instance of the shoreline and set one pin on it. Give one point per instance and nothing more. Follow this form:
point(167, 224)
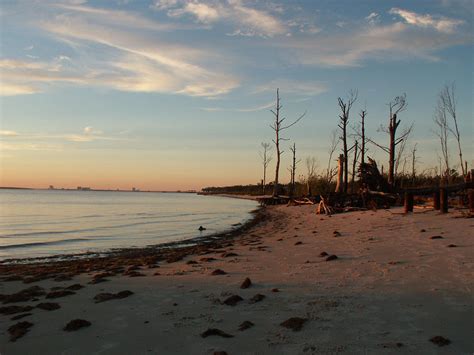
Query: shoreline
point(378, 282)
point(256, 215)
point(159, 251)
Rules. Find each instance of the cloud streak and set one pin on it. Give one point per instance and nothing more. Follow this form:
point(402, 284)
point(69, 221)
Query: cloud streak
point(246, 20)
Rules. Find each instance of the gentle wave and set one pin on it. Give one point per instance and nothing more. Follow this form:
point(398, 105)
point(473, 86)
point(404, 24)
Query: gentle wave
point(44, 223)
point(53, 242)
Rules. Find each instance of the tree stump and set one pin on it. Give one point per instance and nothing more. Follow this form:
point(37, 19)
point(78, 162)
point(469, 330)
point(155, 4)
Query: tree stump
point(443, 199)
point(408, 202)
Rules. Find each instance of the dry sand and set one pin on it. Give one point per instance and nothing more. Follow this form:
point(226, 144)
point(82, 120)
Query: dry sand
point(391, 289)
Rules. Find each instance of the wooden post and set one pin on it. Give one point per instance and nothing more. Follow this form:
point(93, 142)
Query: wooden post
point(408, 202)
point(471, 200)
point(436, 200)
point(443, 199)
point(340, 172)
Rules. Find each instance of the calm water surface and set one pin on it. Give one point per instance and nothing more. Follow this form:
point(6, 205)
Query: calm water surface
point(37, 223)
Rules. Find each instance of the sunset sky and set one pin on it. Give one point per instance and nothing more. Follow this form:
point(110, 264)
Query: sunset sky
point(175, 94)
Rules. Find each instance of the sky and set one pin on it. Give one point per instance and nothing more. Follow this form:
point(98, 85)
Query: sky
point(176, 94)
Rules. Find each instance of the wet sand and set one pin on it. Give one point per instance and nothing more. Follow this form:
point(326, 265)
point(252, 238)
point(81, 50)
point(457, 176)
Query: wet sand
point(390, 289)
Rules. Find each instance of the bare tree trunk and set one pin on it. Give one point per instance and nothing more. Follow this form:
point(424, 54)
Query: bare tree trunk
point(278, 128)
point(413, 162)
point(266, 159)
point(277, 145)
point(344, 119)
point(340, 173)
point(391, 162)
point(447, 99)
point(354, 163)
point(363, 113)
point(293, 171)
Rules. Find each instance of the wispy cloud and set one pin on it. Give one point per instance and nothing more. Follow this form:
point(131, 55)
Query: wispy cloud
point(8, 133)
point(130, 58)
point(248, 109)
point(247, 20)
point(294, 87)
point(440, 23)
point(394, 41)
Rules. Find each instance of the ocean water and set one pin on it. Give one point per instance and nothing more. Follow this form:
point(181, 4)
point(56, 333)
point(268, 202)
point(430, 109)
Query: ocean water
point(40, 223)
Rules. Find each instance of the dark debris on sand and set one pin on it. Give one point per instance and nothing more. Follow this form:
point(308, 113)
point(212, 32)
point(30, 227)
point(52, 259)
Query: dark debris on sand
point(245, 325)
point(257, 298)
point(218, 272)
point(102, 297)
point(294, 323)
point(61, 293)
point(331, 257)
point(8, 310)
point(215, 331)
point(19, 329)
point(20, 316)
point(76, 324)
point(23, 295)
point(440, 341)
point(48, 306)
point(233, 300)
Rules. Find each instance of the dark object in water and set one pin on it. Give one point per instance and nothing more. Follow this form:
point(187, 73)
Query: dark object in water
point(294, 323)
point(331, 257)
point(440, 341)
point(323, 254)
point(436, 237)
point(201, 228)
point(246, 284)
point(218, 272)
point(19, 329)
point(214, 331)
point(452, 246)
point(76, 324)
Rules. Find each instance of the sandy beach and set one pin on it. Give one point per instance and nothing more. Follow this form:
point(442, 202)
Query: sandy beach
point(397, 282)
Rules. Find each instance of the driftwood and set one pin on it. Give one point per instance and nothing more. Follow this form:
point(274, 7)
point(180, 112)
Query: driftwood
point(304, 201)
point(323, 208)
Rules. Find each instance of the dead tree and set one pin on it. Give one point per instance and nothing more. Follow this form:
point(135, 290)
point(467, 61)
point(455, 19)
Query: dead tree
point(278, 127)
point(311, 165)
point(292, 170)
point(340, 174)
point(397, 105)
point(343, 121)
point(447, 100)
point(334, 143)
point(362, 114)
point(354, 163)
point(442, 131)
point(413, 163)
point(266, 159)
point(401, 150)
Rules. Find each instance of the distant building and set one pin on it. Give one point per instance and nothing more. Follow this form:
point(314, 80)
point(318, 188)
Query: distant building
point(51, 187)
point(134, 189)
point(83, 188)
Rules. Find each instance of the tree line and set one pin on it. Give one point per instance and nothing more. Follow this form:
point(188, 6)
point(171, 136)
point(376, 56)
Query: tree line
point(355, 167)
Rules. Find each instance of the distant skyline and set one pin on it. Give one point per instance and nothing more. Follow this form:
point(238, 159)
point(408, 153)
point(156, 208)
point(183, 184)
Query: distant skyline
point(175, 94)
